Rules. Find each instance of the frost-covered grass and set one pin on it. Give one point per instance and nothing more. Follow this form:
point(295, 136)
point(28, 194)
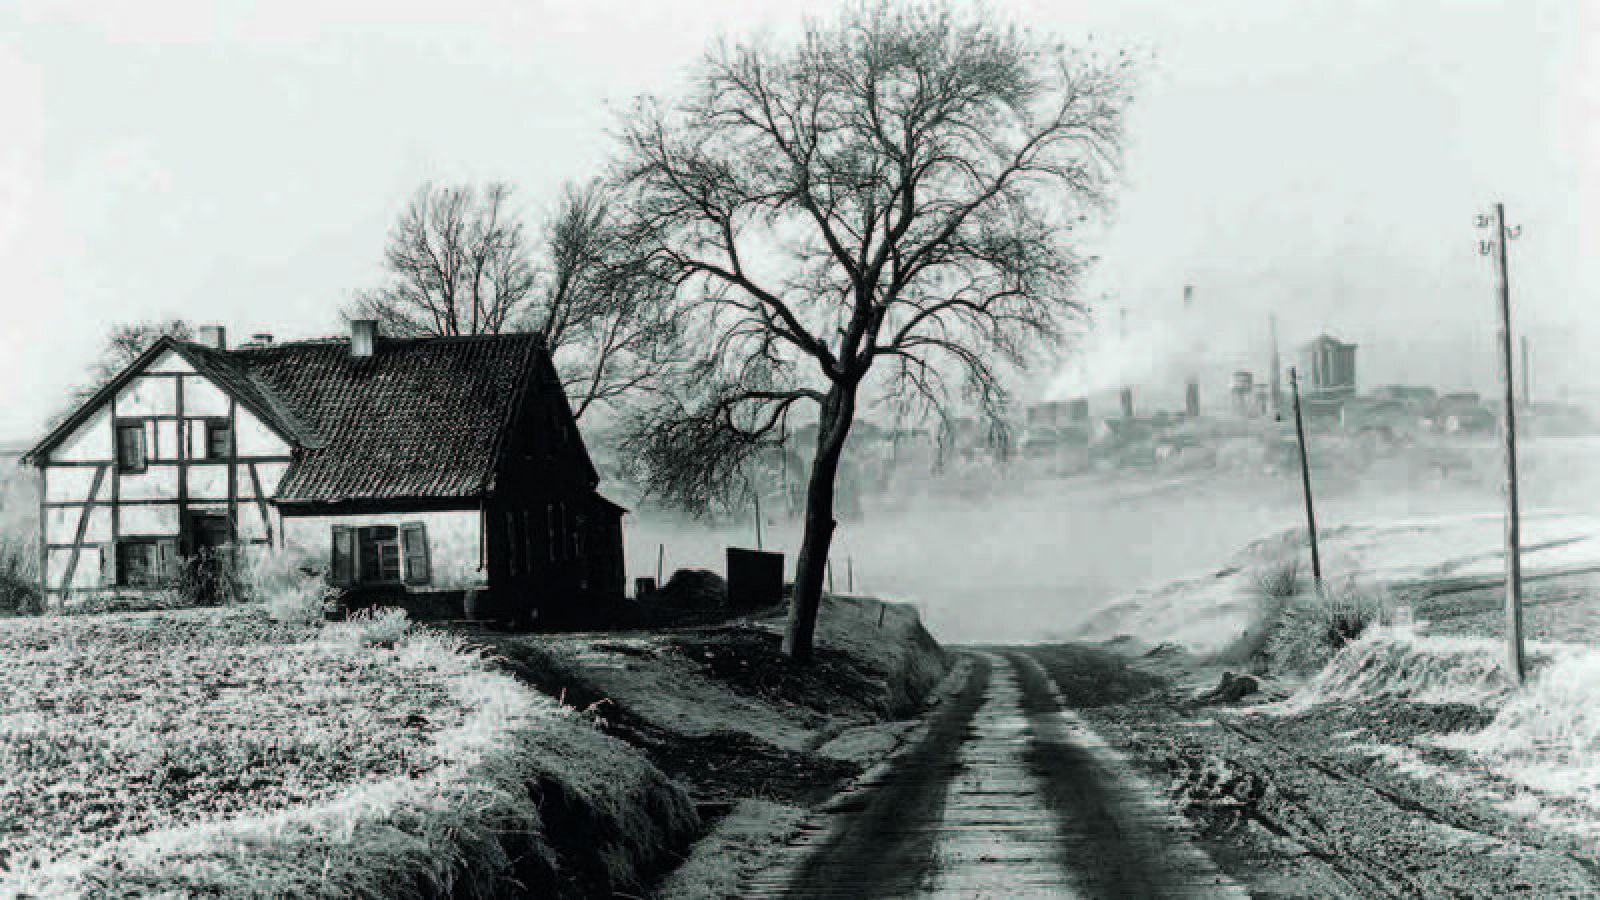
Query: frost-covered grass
point(1547, 736)
point(1544, 737)
point(218, 752)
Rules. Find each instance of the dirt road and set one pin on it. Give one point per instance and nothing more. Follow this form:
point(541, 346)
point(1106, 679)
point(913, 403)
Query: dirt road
point(1052, 772)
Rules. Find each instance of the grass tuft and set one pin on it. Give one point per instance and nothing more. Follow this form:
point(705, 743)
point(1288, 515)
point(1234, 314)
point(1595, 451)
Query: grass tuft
point(1312, 627)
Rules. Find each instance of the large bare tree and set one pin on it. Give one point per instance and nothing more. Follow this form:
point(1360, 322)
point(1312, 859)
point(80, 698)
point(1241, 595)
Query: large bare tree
point(459, 263)
point(881, 212)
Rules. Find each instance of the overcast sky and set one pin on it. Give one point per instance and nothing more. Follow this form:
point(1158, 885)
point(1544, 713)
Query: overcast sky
point(239, 163)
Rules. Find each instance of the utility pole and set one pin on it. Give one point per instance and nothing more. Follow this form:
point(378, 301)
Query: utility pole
point(1305, 481)
point(1527, 388)
point(758, 521)
point(1497, 249)
point(1127, 390)
point(1191, 389)
point(1277, 369)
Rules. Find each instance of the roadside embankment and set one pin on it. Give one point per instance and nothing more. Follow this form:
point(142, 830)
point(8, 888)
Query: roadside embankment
point(754, 738)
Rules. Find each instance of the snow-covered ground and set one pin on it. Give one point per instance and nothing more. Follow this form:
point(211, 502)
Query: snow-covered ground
point(1208, 612)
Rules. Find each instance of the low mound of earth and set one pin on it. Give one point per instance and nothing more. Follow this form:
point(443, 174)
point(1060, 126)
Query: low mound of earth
point(754, 737)
point(215, 752)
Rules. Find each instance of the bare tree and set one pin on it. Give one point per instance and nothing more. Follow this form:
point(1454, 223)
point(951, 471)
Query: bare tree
point(127, 342)
point(885, 212)
point(459, 263)
point(604, 318)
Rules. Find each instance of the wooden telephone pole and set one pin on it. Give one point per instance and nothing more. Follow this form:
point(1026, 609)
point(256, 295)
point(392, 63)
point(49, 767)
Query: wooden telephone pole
point(1305, 480)
point(758, 521)
point(1516, 657)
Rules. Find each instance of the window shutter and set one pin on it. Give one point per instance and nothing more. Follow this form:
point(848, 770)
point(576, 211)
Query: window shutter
point(166, 559)
point(108, 565)
point(414, 544)
point(343, 564)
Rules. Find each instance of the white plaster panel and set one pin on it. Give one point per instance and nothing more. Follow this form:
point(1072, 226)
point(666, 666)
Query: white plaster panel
point(86, 575)
point(69, 483)
point(453, 540)
point(148, 521)
point(62, 523)
point(271, 474)
point(147, 397)
point(169, 362)
point(99, 524)
point(251, 528)
point(201, 397)
point(208, 482)
point(155, 483)
point(195, 431)
point(90, 442)
point(246, 487)
point(253, 438)
point(165, 445)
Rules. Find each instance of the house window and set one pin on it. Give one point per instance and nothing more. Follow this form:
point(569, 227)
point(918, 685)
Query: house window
point(380, 554)
point(130, 447)
point(378, 549)
point(144, 563)
point(219, 439)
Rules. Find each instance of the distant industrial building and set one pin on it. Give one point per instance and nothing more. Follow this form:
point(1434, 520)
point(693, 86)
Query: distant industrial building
point(1328, 367)
point(1058, 412)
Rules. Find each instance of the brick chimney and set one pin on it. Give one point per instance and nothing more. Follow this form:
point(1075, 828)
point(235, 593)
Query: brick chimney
point(213, 336)
point(363, 337)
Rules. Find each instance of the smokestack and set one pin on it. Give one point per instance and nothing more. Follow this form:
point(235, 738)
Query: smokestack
point(1127, 403)
point(363, 337)
point(214, 336)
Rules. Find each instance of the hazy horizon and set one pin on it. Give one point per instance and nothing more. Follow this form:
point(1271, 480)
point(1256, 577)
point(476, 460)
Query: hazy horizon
point(224, 163)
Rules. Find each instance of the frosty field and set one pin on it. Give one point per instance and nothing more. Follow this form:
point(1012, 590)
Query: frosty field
point(217, 752)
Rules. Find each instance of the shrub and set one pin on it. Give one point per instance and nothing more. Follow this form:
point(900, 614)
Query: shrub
point(293, 587)
point(307, 603)
point(375, 625)
point(1278, 580)
point(212, 576)
point(19, 575)
point(1313, 627)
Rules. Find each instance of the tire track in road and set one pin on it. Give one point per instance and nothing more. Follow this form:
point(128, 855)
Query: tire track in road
point(879, 842)
point(1117, 834)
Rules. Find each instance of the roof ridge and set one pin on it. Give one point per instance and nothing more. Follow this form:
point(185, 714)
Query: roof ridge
point(335, 340)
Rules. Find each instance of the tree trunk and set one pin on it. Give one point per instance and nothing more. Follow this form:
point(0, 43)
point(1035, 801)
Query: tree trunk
point(838, 413)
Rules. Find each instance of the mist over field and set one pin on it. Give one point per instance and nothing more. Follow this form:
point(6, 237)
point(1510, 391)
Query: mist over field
point(1029, 558)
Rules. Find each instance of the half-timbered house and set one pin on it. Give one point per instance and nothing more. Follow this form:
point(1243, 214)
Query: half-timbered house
point(430, 472)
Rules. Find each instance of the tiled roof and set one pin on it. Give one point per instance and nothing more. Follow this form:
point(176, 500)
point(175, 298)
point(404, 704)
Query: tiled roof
point(419, 419)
